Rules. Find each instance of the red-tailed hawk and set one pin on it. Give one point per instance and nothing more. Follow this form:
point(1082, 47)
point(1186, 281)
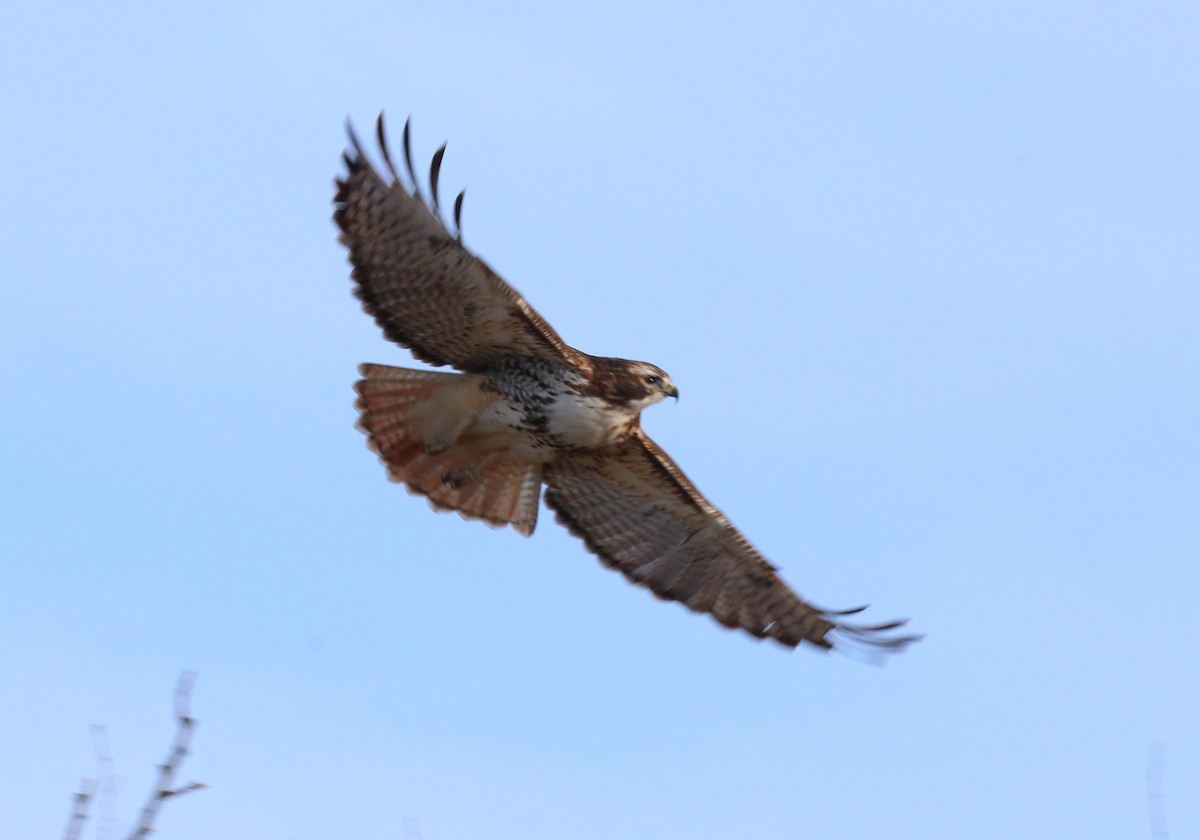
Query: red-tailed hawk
point(528, 409)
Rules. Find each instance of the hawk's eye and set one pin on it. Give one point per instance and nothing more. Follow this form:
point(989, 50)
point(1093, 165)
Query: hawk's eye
point(651, 379)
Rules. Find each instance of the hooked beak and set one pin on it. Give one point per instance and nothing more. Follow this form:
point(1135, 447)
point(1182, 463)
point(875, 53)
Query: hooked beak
point(674, 392)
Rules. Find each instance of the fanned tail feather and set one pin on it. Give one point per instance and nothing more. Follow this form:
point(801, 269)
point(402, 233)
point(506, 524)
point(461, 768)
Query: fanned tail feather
point(415, 420)
point(503, 491)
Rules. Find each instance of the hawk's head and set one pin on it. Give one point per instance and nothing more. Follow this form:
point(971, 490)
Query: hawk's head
point(654, 382)
point(630, 385)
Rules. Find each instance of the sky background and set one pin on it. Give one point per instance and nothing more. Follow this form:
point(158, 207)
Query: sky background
point(926, 275)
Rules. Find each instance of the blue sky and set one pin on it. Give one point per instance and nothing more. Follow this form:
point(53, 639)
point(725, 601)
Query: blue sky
point(925, 274)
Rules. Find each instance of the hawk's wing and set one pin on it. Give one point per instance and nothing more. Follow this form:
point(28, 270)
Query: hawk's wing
point(428, 292)
point(638, 512)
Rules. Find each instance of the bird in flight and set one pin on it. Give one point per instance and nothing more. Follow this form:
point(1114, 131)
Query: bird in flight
point(528, 409)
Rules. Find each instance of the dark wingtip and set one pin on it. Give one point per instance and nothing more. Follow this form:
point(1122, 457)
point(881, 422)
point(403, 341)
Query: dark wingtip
point(458, 202)
point(435, 169)
point(412, 173)
point(381, 136)
point(353, 158)
point(871, 638)
point(851, 611)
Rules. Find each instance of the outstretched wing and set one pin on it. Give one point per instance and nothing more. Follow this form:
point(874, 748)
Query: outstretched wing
point(425, 290)
point(638, 512)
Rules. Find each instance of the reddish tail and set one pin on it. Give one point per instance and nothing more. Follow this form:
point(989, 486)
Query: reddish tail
point(415, 421)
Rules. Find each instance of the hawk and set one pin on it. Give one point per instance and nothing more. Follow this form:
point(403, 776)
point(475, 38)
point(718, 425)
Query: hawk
point(528, 409)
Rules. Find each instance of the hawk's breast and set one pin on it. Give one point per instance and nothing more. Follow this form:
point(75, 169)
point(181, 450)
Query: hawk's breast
point(544, 410)
point(588, 422)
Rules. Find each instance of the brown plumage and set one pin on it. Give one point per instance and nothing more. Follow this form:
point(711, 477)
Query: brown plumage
point(529, 409)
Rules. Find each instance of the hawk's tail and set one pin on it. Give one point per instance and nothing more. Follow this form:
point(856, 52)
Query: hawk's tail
point(415, 421)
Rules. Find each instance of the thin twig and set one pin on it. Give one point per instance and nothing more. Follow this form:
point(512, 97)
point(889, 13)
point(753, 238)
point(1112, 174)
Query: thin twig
point(166, 771)
point(79, 811)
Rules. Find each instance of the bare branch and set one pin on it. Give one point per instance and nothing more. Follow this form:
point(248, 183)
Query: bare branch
point(166, 772)
point(165, 788)
point(79, 812)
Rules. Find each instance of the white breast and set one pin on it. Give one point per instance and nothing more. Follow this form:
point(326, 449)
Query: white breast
point(587, 421)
